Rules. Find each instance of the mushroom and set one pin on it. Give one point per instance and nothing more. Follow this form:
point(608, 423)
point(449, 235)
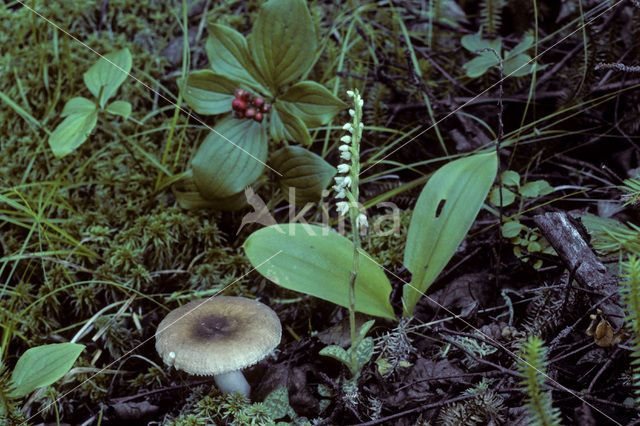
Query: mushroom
point(219, 336)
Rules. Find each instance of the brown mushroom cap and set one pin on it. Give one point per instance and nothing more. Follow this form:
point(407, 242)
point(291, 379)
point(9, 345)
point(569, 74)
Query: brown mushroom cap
point(218, 335)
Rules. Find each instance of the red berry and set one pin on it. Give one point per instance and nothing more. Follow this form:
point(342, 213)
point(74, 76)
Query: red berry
point(266, 108)
point(238, 105)
point(239, 93)
point(238, 114)
point(258, 102)
point(250, 112)
point(258, 117)
point(246, 95)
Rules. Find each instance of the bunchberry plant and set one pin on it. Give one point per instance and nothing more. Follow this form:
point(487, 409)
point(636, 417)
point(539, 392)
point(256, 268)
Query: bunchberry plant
point(514, 61)
point(81, 114)
point(255, 83)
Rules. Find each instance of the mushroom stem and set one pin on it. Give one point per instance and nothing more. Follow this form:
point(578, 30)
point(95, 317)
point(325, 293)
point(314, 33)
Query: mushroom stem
point(232, 381)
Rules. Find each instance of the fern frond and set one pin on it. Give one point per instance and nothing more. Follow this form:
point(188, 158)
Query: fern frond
point(532, 368)
point(491, 15)
point(632, 189)
point(631, 298)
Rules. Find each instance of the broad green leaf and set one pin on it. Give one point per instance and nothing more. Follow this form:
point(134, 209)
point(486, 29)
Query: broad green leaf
point(317, 261)
point(337, 353)
point(42, 366)
point(536, 188)
point(188, 197)
point(512, 229)
point(110, 71)
point(277, 403)
point(121, 108)
point(283, 42)
point(230, 158)
point(474, 43)
point(285, 126)
point(364, 352)
point(480, 64)
point(307, 173)
point(517, 66)
point(311, 102)
point(508, 197)
point(78, 105)
point(444, 212)
point(521, 47)
point(229, 56)
point(208, 93)
point(510, 178)
point(72, 132)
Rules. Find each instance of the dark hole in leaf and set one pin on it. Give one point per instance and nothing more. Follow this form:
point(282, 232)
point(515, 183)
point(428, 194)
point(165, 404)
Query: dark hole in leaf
point(440, 207)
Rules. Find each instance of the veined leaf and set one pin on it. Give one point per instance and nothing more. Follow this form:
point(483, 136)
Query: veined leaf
point(229, 56)
point(311, 102)
point(283, 42)
point(72, 132)
point(110, 71)
point(121, 108)
point(208, 93)
point(42, 366)
point(304, 171)
point(445, 211)
point(78, 105)
point(230, 158)
point(285, 126)
point(317, 261)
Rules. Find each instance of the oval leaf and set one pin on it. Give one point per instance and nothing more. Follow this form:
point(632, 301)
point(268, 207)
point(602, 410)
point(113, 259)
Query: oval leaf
point(307, 173)
point(317, 261)
point(72, 132)
point(283, 42)
point(110, 71)
point(121, 108)
point(229, 55)
point(189, 198)
point(230, 158)
point(312, 102)
point(78, 105)
point(208, 93)
point(445, 211)
point(285, 126)
point(42, 366)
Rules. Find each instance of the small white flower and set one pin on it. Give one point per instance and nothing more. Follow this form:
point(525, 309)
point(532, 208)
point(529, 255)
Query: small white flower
point(361, 221)
point(347, 181)
point(343, 168)
point(339, 192)
point(345, 139)
point(345, 155)
point(361, 125)
point(350, 93)
point(352, 112)
point(348, 127)
point(340, 181)
point(344, 148)
point(342, 207)
point(360, 102)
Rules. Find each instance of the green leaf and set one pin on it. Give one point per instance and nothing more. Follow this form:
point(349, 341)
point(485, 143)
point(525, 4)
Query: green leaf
point(337, 353)
point(283, 42)
point(285, 126)
point(521, 47)
point(445, 211)
point(277, 403)
point(512, 229)
point(188, 197)
point(110, 71)
point(72, 132)
point(486, 59)
point(307, 173)
point(510, 178)
point(311, 102)
point(229, 56)
point(480, 64)
point(208, 93)
point(318, 261)
point(474, 42)
point(364, 352)
point(230, 158)
point(535, 189)
point(508, 197)
point(78, 105)
point(42, 366)
point(517, 66)
point(121, 108)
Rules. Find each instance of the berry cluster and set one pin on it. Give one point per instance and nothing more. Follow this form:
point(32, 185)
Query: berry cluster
point(246, 106)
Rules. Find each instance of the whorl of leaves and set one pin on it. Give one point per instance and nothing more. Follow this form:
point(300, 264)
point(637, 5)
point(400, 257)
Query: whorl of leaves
point(532, 368)
point(631, 297)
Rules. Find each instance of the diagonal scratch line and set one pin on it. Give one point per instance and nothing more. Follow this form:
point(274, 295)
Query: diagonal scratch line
point(491, 339)
point(156, 92)
point(147, 340)
point(492, 86)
